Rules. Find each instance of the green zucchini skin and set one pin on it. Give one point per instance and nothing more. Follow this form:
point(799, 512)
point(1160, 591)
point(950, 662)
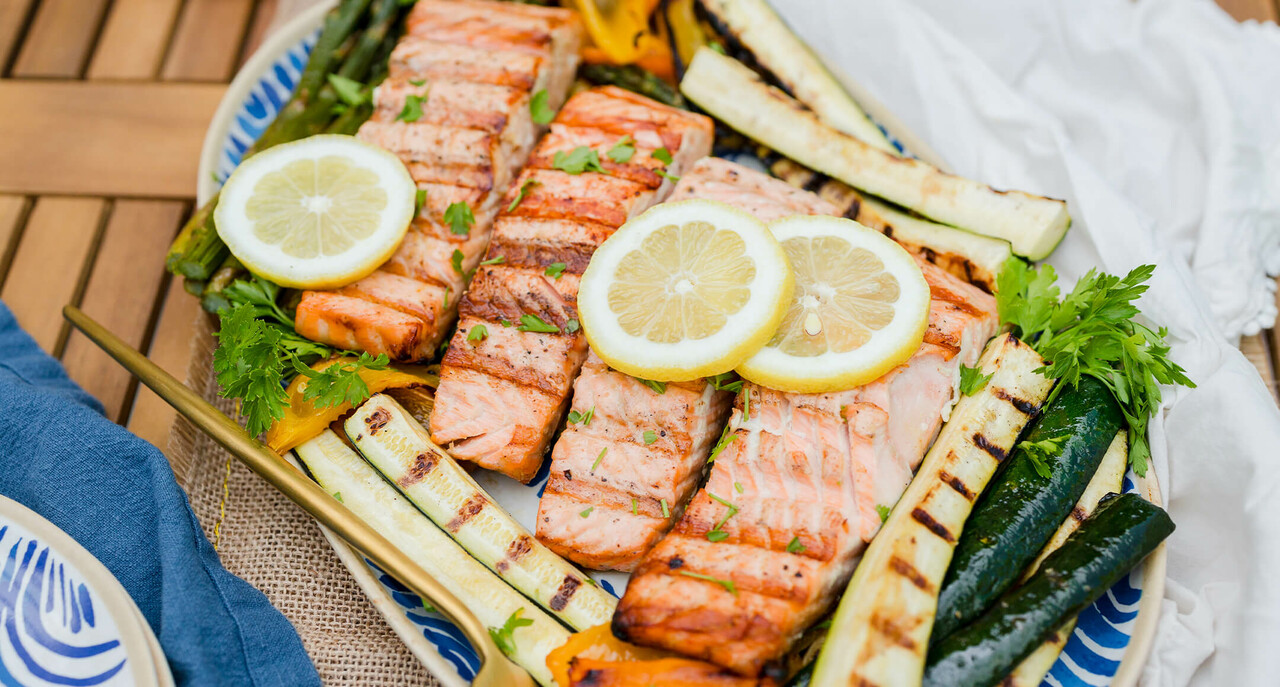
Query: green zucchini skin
point(1020, 510)
point(1120, 533)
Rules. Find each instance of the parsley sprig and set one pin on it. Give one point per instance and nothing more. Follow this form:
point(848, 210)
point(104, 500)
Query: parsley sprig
point(1093, 330)
point(1039, 452)
point(339, 382)
point(504, 636)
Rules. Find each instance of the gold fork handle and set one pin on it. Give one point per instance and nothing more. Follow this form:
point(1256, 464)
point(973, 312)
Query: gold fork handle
point(496, 670)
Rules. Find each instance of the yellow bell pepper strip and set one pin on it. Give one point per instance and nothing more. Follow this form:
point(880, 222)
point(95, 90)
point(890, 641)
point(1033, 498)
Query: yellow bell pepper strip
point(302, 421)
point(618, 27)
point(598, 643)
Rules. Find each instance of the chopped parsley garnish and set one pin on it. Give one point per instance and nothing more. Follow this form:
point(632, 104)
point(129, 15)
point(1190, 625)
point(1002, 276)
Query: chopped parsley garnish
point(503, 636)
point(972, 380)
point(495, 261)
point(350, 91)
point(446, 296)
point(1094, 331)
point(459, 218)
point(726, 381)
point(418, 82)
point(505, 322)
point(794, 546)
point(520, 194)
point(727, 584)
point(456, 261)
point(737, 486)
point(340, 382)
point(419, 199)
point(533, 323)
point(623, 150)
point(657, 387)
point(650, 436)
point(478, 332)
point(555, 269)
point(412, 111)
point(717, 535)
point(1040, 451)
point(572, 326)
point(584, 418)
point(883, 512)
point(586, 512)
point(338, 495)
point(539, 109)
point(746, 405)
point(635, 506)
point(726, 437)
point(576, 161)
point(666, 512)
point(662, 155)
point(663, 173)
point(599, 458)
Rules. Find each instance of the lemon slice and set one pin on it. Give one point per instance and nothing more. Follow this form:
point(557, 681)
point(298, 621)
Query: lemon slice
point(316, 213)
point(685, 290)
point(860, 308)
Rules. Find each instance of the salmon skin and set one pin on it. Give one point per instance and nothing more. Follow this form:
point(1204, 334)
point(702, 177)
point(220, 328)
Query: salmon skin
point(506, 377)
point(797, 490)
point(455, 109)
point(639, 489)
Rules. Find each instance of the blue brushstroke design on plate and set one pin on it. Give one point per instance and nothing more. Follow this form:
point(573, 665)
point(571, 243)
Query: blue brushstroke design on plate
point(1090, 659)
point(51, 632)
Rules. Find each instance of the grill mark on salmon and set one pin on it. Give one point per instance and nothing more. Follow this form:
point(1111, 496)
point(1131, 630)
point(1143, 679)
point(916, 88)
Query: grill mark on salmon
point(476, 63)
point(526, 376)
point(812, 467)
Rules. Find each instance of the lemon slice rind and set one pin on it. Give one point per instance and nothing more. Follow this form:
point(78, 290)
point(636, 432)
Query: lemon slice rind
point(741, 335)
point(888, 346)
point(364, 254)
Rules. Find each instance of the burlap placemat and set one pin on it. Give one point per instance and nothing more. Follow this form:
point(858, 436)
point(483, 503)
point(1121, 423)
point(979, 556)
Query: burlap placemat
point(275, 546)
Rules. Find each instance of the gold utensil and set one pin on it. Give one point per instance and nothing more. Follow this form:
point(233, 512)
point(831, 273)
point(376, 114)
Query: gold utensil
point(496, 670)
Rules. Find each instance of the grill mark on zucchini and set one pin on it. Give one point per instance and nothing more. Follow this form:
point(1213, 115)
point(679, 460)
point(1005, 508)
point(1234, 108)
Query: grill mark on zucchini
point(474, 505)
point(923, 517)
point(423, 464)
point(377, 420)
point(565, 592)
point(892, 631)
point(518, 548)
point(957, 484)
point(1078, 514)
point(1025, 407)
point(908, 571)
point(985, 444)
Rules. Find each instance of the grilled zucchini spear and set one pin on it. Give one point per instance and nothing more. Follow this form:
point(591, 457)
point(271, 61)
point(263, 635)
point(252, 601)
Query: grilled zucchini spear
point(342, 473)
point(880, 632)
point(737, 96)
point(398, 447)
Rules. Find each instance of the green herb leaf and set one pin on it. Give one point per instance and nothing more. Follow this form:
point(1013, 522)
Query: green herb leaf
point(662, 155)
point(717, 535)
point(794, 546)
point(495, 261)
point(883, 512)
point(412, 110)
point(520, 194)
point(576, 161)
point(261, 295)
point(533, 323)
point(726, 437)
point(732, 510)
point(349, 91)
point(586, 512)
point(418, 82)
point(671, 177)
point(456, 260)
point(1038, 452)
point(623, 150)
point(972, 380)
point(419, 199)
point(572, 326)
point(340, 382)
point(599, 458)
point(635, 506)
point(539, 109)
point(505, 322)
point(1093, 330)
point(459, 218)
point(657, 387)
point(478, 332)
point(727, 584)
point(737, 486)
point(650, 437)
point(338, 495)
point(250, 364)
point(666, 512)
point(746, 404)
point(503, 636)
point(555, 269)
point(726, 381)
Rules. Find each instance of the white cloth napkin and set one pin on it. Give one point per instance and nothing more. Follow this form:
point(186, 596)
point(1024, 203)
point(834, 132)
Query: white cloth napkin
point(1159, 123)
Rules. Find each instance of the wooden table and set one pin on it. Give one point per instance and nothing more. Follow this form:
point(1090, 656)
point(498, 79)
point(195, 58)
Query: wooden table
point(103, 106)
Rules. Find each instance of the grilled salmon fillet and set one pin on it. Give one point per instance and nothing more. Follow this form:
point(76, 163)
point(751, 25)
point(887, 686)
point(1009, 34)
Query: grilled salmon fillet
point(796, 491)
point(455, 109)
point(639, 489)
point(505, 380)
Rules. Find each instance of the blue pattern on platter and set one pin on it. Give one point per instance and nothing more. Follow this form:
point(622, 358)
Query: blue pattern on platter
point(54, 629)
point(1092, 654)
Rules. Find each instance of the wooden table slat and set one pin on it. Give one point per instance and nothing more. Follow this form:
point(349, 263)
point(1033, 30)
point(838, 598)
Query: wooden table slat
point(49, 265)
point(14, 15)
point(130, 261)
point(170, 348)
point(134, 40)
point(13, 211)
point(60, 37)
point(207, 43)
point(263, 17)
point(137, 139)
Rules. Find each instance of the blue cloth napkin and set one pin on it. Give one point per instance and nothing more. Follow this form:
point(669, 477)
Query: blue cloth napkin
point(116, 495)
